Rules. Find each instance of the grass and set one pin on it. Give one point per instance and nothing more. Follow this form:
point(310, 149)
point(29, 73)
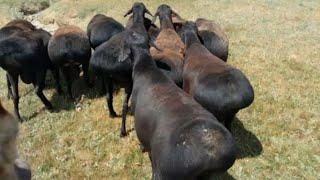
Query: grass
point(275, 43)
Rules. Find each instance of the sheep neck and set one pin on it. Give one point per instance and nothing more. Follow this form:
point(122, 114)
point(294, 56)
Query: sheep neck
point(138, 17)
point(166, 22)
point(191, 38)
point(142, 60)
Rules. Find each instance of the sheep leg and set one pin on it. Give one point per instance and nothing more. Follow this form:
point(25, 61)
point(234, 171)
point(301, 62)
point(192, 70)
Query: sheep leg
point(155, 172)
point(14, 79)
point(39, 86)
point(228, 120)
point(85, 68)
point(109, 96)
point(9, 95)
point(56, 75)
point(67, 76)
point(103, 87)
point(125, 111)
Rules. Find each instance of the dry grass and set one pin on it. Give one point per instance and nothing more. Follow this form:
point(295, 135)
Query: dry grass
point(276, 43)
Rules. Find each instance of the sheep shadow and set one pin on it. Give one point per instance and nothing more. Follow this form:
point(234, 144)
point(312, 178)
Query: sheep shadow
point(249, 145)
point(79, 89)
point(222, 176)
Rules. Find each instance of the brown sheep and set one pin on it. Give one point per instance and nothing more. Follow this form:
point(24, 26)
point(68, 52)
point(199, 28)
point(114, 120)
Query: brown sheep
point(68, 48)
point(10, 167)
point(172, 48)
point(15, 26)
point(20, 23)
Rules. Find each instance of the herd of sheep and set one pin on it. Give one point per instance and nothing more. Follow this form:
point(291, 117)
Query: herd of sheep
point(184, 95)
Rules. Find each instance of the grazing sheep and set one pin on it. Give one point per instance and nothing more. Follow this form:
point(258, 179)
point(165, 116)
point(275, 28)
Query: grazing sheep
point(101, 28)
point(69, 48)
point(213, 38)
point(172, 48)
point(11, 168)
point(24, 55)
point(109, 63)
point(184, 141)
point(218, 87)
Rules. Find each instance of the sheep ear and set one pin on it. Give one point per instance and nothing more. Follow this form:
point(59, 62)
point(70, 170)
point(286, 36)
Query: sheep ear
point(124, 53)
point(129, 12)
point(155, 17)
point(148, 12)
point(176, 18)
point(173, 13)
point(200, 38)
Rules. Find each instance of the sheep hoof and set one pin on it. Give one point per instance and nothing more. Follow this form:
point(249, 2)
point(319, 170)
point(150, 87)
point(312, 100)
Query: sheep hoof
point(21, 120)
point(49, 107)
point(142, 148)
point(123, 134)
point(9, 96)
point(90, 85)
point(70, 98)
point(113, 115)
point(60, 92)
point(130, 111)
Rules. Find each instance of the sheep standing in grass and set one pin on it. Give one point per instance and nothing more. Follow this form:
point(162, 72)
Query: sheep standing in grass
point(11, 168)
point(24, 55)
point(68, 48)
point(111, 64)
point(184, 141)
point(218, 87)
point(172, 48)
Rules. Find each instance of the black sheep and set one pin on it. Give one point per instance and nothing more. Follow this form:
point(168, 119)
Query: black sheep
point(6, 32)
point(69, 48)
point(184, 141)
point(211, 35)
point(152, 29)
point(14, 26)
point(213, 38)
point(24, 54)
point(109, 63)
point(218, 87)
point(101, 28)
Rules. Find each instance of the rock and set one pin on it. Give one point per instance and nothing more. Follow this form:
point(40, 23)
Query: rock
point(28, 8)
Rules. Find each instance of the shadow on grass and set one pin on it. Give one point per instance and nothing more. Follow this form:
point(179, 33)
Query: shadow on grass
point(222, 176)
point(248, 143)
point(62, 102)
point(79, 89)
